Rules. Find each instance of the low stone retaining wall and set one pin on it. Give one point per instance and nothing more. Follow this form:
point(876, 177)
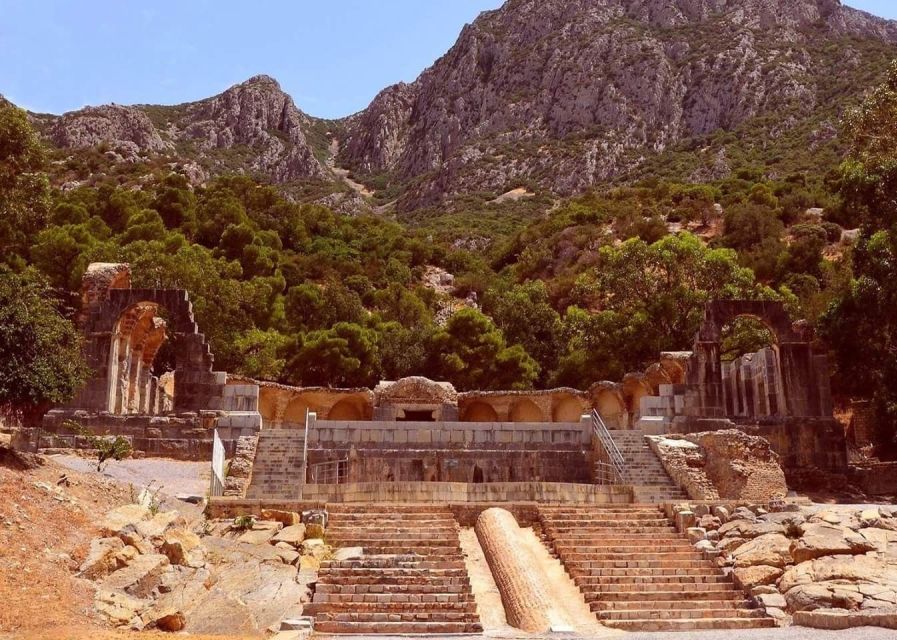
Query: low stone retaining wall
point(879, 478)
point(545, 492)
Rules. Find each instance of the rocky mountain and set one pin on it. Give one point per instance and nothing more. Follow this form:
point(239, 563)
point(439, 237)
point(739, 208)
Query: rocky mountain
point(548, 96)
point(252, 127)
point(564, 94)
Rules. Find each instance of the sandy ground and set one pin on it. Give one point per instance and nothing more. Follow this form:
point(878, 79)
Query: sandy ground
point(485, 591)
point(174, 477)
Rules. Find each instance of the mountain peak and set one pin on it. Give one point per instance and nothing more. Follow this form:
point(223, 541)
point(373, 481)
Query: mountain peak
point(261, 79)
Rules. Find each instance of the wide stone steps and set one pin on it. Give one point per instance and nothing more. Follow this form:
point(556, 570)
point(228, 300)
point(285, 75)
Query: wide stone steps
point(627, 580)
point(689, 624)
point(277, 467)
point(395, 625)
point(692, 592)
point(411, 579)
point(638, 573)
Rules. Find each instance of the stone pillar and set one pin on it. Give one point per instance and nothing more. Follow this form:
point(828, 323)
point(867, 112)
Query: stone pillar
point(798, 379)
point(522, 584)
point(707, 375)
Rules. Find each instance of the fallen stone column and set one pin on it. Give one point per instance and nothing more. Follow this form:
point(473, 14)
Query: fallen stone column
point(521, 582)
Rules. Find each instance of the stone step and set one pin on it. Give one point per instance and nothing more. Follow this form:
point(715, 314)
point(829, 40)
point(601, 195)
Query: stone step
point(629, 580)
point(660, 591)
point(611, 558)
point(670, 546)
point(448, 585)
point(455, 611)
point(397, 627)
point(693, 624)
point(592, 567)
point(392, 598)
point(600, 606)
point(703, 568)
point(678, 614)
point(608, 594)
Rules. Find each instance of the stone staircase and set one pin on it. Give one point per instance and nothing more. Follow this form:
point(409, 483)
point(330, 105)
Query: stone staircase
point(411, 578)
point(277, 470)
point(650, 481)
point(638, 574)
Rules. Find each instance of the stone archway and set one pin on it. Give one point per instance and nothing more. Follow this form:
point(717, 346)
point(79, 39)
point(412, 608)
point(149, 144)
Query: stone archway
point(609, 404)
point(136, 339)
point(567, 408)
point(803, 375)
point(480, 412)
point(347, 410)
point(525, 410)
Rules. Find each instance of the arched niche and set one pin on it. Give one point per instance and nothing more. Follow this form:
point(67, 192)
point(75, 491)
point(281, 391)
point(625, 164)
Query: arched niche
point(346, 409)
point(610, 405)
point(525, 410)
point(567, 408)
point(295, 413)
point(268, 405)
point(480, 411)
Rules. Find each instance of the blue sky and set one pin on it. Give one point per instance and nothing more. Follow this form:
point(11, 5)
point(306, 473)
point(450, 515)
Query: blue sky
point(332, 56)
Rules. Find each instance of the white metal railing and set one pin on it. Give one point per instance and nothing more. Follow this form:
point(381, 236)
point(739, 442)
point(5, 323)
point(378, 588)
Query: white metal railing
point(332, 472)
point(613, 468)
point(217, 488)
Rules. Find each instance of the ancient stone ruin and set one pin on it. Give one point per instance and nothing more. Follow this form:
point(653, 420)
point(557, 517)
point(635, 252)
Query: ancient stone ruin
point(632, 485)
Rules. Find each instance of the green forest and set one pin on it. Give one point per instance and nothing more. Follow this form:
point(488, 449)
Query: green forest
point(592, 289)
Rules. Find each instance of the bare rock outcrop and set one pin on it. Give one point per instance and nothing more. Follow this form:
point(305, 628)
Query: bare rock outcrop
point(741, 466)
point(126, 129)
point(252, 127)
point(568, 93)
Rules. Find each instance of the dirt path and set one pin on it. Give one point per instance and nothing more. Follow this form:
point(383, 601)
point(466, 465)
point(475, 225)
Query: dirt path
point(174, 477)
point(485, 591)
point(343, 174)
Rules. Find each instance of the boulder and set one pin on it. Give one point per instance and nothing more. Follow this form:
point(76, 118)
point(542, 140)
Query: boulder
point(119, 608)
point(842, 518)
point(720, 512)
point(122, 519)
point(885, 540)
point(168, 619)
point(844, 569)
point(822, 539)
point(315, 548)
point(257, 536)
point(286, 518)
point(728, 545)
point(696, 534)
point(870, 518)
point(808, 597)
point(294, 535)
point(746, 578)
point(178, 544)
point(772, 549)
point(775, 600)
point(749, 528)
point(101, 558)
point(138, 578)
point(289, 556)
point(155, 527)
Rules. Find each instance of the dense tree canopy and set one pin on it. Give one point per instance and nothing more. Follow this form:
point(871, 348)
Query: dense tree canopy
point(40, 350)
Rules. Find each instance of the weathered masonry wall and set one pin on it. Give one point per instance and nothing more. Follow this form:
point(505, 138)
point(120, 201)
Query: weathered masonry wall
point(454, 451)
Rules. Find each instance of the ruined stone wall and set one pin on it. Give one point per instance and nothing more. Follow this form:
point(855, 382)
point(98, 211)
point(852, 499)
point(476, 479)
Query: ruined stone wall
point(684, 461)
point(741, 467)
point(521, 583)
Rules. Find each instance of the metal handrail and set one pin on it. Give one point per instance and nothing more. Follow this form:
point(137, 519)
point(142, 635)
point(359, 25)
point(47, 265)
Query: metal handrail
point(615, 458)
point(330, 472)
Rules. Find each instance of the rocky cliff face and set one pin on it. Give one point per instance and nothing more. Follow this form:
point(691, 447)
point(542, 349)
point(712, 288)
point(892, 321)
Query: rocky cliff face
point(253, 127)
point(556, 95)
point(567, 93)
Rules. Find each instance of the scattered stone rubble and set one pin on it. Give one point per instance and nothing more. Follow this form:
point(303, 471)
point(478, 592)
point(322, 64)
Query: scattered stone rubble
point(837, 561)
point(152, 571)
